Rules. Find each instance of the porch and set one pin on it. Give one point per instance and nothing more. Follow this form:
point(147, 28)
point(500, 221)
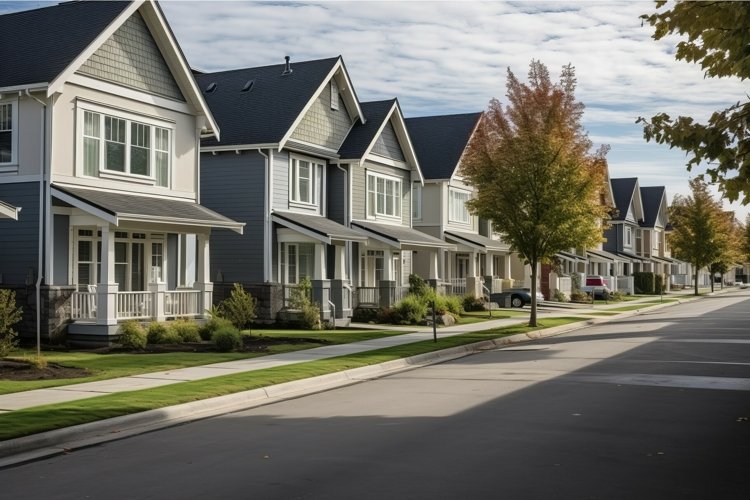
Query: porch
point(149, 305)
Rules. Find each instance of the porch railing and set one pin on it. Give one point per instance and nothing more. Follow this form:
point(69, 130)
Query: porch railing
point(83, 305)
point(288, 289)
point(133, 305)
point(182, 303)
point(497, 285)
point(400, 292)
point(457, 286)
point(367, 295)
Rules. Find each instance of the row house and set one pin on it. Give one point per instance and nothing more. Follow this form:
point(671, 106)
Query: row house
point(481, 260)
point(100, 121)
point(322, 181)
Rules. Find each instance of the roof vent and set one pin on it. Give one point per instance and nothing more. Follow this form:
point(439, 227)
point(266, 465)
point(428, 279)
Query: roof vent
point(211, 87)
point(248, 86)
point(287, 67)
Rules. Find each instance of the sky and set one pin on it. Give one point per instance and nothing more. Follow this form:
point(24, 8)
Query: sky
point(453, 57)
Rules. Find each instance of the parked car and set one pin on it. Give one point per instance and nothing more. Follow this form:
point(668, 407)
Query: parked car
point(519, 297)
point(597, 286)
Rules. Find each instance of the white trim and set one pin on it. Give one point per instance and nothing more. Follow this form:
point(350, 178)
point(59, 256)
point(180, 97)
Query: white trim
point(457, 190)
point(86, 207)
point(299, 229)
point(12, 165)
point(399, 198)
point(129, 93)
point(31, 87)
point(317, 185)
point(238, 147)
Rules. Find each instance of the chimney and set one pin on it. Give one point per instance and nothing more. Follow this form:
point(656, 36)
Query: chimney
point(287, 67)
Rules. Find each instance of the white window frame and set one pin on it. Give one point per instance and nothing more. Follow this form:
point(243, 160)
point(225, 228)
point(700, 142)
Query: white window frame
point(315, 185)
point(131, 119)
point(285, 274)
point(394, 201)
point(416, 201)
point(458, 212)
point(12, 104)
point(334, 95)
point(628, 236)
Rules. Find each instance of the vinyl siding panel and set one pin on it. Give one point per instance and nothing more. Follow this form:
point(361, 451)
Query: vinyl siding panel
point(359, 189)
point(359, 192)
point(60, 234)
point(280, 180)
point(322, 125)
point(19, 239)
point(233, 185)
point(614, 238)
point(387, 144)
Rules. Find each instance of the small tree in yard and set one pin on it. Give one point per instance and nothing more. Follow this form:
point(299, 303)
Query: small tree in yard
point(239, 307)
point(536, 178)
point(700, 234)
point(10, 314)
point(729, 250)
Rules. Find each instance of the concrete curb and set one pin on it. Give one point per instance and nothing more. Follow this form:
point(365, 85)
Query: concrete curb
point(45, 444)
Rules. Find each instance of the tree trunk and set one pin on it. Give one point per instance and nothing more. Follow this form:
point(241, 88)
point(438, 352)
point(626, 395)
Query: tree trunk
point(532, 317)
point(695, 280)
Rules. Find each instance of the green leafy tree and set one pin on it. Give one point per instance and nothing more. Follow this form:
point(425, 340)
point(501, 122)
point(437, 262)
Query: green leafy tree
point(729, 251)
point(10, 314)
point(536, 178)
point(700, 234)
point(745, 243)
point(718, 36)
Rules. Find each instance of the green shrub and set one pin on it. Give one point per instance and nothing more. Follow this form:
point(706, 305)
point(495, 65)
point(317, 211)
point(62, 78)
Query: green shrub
point(239, 308)
point(580, 297)
point(300, 300)
point(187, 330)
point(560, 296)
point(10, 314)
point(659, 284)
point(448, 304)
point(227, 338)
point(645, 283)
point(386, 315)
point(158, 333)
point(364, 314)
point(133, 336)
point(206, 331)
point(616, 296)
point(411, 310)
point(418, 286)
point(470, 303)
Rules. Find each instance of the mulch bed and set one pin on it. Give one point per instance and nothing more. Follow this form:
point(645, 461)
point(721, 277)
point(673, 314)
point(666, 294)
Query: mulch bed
point(21, 371)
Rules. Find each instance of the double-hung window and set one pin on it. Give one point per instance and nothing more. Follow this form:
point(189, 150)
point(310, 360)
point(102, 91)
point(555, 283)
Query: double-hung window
point(306, 181)
point(416, 201)
point(8, 128)
point(457, 211)
point(383, 196)
point(125, 145)
point(628, 236)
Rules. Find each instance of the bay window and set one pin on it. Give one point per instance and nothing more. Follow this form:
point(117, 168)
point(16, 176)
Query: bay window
point(457, 211)
point(383, 196)
point(305, 181)
point(124, 145)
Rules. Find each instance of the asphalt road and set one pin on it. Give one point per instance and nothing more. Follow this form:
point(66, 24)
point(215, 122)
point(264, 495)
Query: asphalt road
point(654, 406)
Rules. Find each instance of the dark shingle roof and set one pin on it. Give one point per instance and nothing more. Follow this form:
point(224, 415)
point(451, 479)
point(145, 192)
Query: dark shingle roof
point(651, 198)
point(37, 45)
point(623, 190)
point(362, 134)
point(267, 111)
point(439, 141)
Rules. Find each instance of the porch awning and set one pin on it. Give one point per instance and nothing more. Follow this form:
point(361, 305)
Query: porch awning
point(602, 256)
point(8, 211)
point(400, 237)
point(661, 260)
point(570, 256)
point(116, 208)
point(477, 241)
point(629, 256)
point(318, 227)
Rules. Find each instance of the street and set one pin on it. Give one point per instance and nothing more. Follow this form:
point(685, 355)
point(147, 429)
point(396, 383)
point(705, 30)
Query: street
point(652, 406)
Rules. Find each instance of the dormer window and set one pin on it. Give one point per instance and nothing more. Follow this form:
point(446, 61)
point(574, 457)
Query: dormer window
point(334, 95)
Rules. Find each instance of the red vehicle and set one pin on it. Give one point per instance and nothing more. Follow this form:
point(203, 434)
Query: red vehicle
point(597, 286)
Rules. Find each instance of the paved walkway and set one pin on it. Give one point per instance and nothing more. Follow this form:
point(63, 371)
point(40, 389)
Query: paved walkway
point(73, 392)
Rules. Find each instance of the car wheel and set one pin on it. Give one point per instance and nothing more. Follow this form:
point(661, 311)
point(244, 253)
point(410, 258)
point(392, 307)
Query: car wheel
point(516, 301)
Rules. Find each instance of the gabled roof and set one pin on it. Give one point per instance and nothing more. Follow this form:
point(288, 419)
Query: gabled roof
point(363, 136)
point(652, 197)
point(440, 141)
point(37, 45)
point(624, 189)
point(266, 113)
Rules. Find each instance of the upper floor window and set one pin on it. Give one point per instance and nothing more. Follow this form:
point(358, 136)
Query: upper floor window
point(8, 120)
point(457, 211)
point(638, 241)
point(628, 236)
point(306, 180)
point(383, 196)
point(121, 145)
point(416, 201)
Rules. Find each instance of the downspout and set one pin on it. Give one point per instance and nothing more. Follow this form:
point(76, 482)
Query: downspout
point(267, 218)
point(42, 219)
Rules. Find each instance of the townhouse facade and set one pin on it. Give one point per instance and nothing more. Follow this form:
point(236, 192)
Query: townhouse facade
point(105, 123)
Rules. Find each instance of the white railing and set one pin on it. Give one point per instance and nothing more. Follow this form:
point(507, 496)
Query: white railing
point(458, 286)
point(497, 285)
point(611, 282)
point(399, 293)
point(131, 305)
point(182, 303)
point(83, 305)
point(368, 295)
point(626, 284)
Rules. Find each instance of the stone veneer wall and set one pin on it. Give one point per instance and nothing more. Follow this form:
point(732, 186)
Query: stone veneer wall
point(270, 297)
point(55, 309)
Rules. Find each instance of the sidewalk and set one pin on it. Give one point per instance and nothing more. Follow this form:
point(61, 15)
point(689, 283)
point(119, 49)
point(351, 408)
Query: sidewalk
point(35, 446)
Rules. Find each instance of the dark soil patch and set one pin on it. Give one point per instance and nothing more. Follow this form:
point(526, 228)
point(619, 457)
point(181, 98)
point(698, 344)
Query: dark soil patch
point(21, 370)
point(250, 344)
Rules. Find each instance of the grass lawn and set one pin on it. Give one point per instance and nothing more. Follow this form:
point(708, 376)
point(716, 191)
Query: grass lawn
point(643, 305)
point(468, 318)
point(106, 366)
point(44, 418)
point(602, 313)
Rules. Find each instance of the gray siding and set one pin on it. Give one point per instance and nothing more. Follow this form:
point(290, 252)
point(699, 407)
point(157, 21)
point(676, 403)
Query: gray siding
point(60, 229)
point(280, 180)
point(172, 244)
point(359, 190)
point(387, 144)
point(131, 57)
point(322, 125)
point(233, 185)
point(614, 238)
point(19, 239)
point(337, 186)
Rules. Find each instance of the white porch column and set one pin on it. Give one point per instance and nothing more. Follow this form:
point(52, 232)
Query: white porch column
point(506, 266)
point(433, 272)
point(339, 271)
point(203, 276)
point(158, 292)
point(388, 273)
point(472, 271)
point(106, 289)
point(489, 264)
point(319, 264)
